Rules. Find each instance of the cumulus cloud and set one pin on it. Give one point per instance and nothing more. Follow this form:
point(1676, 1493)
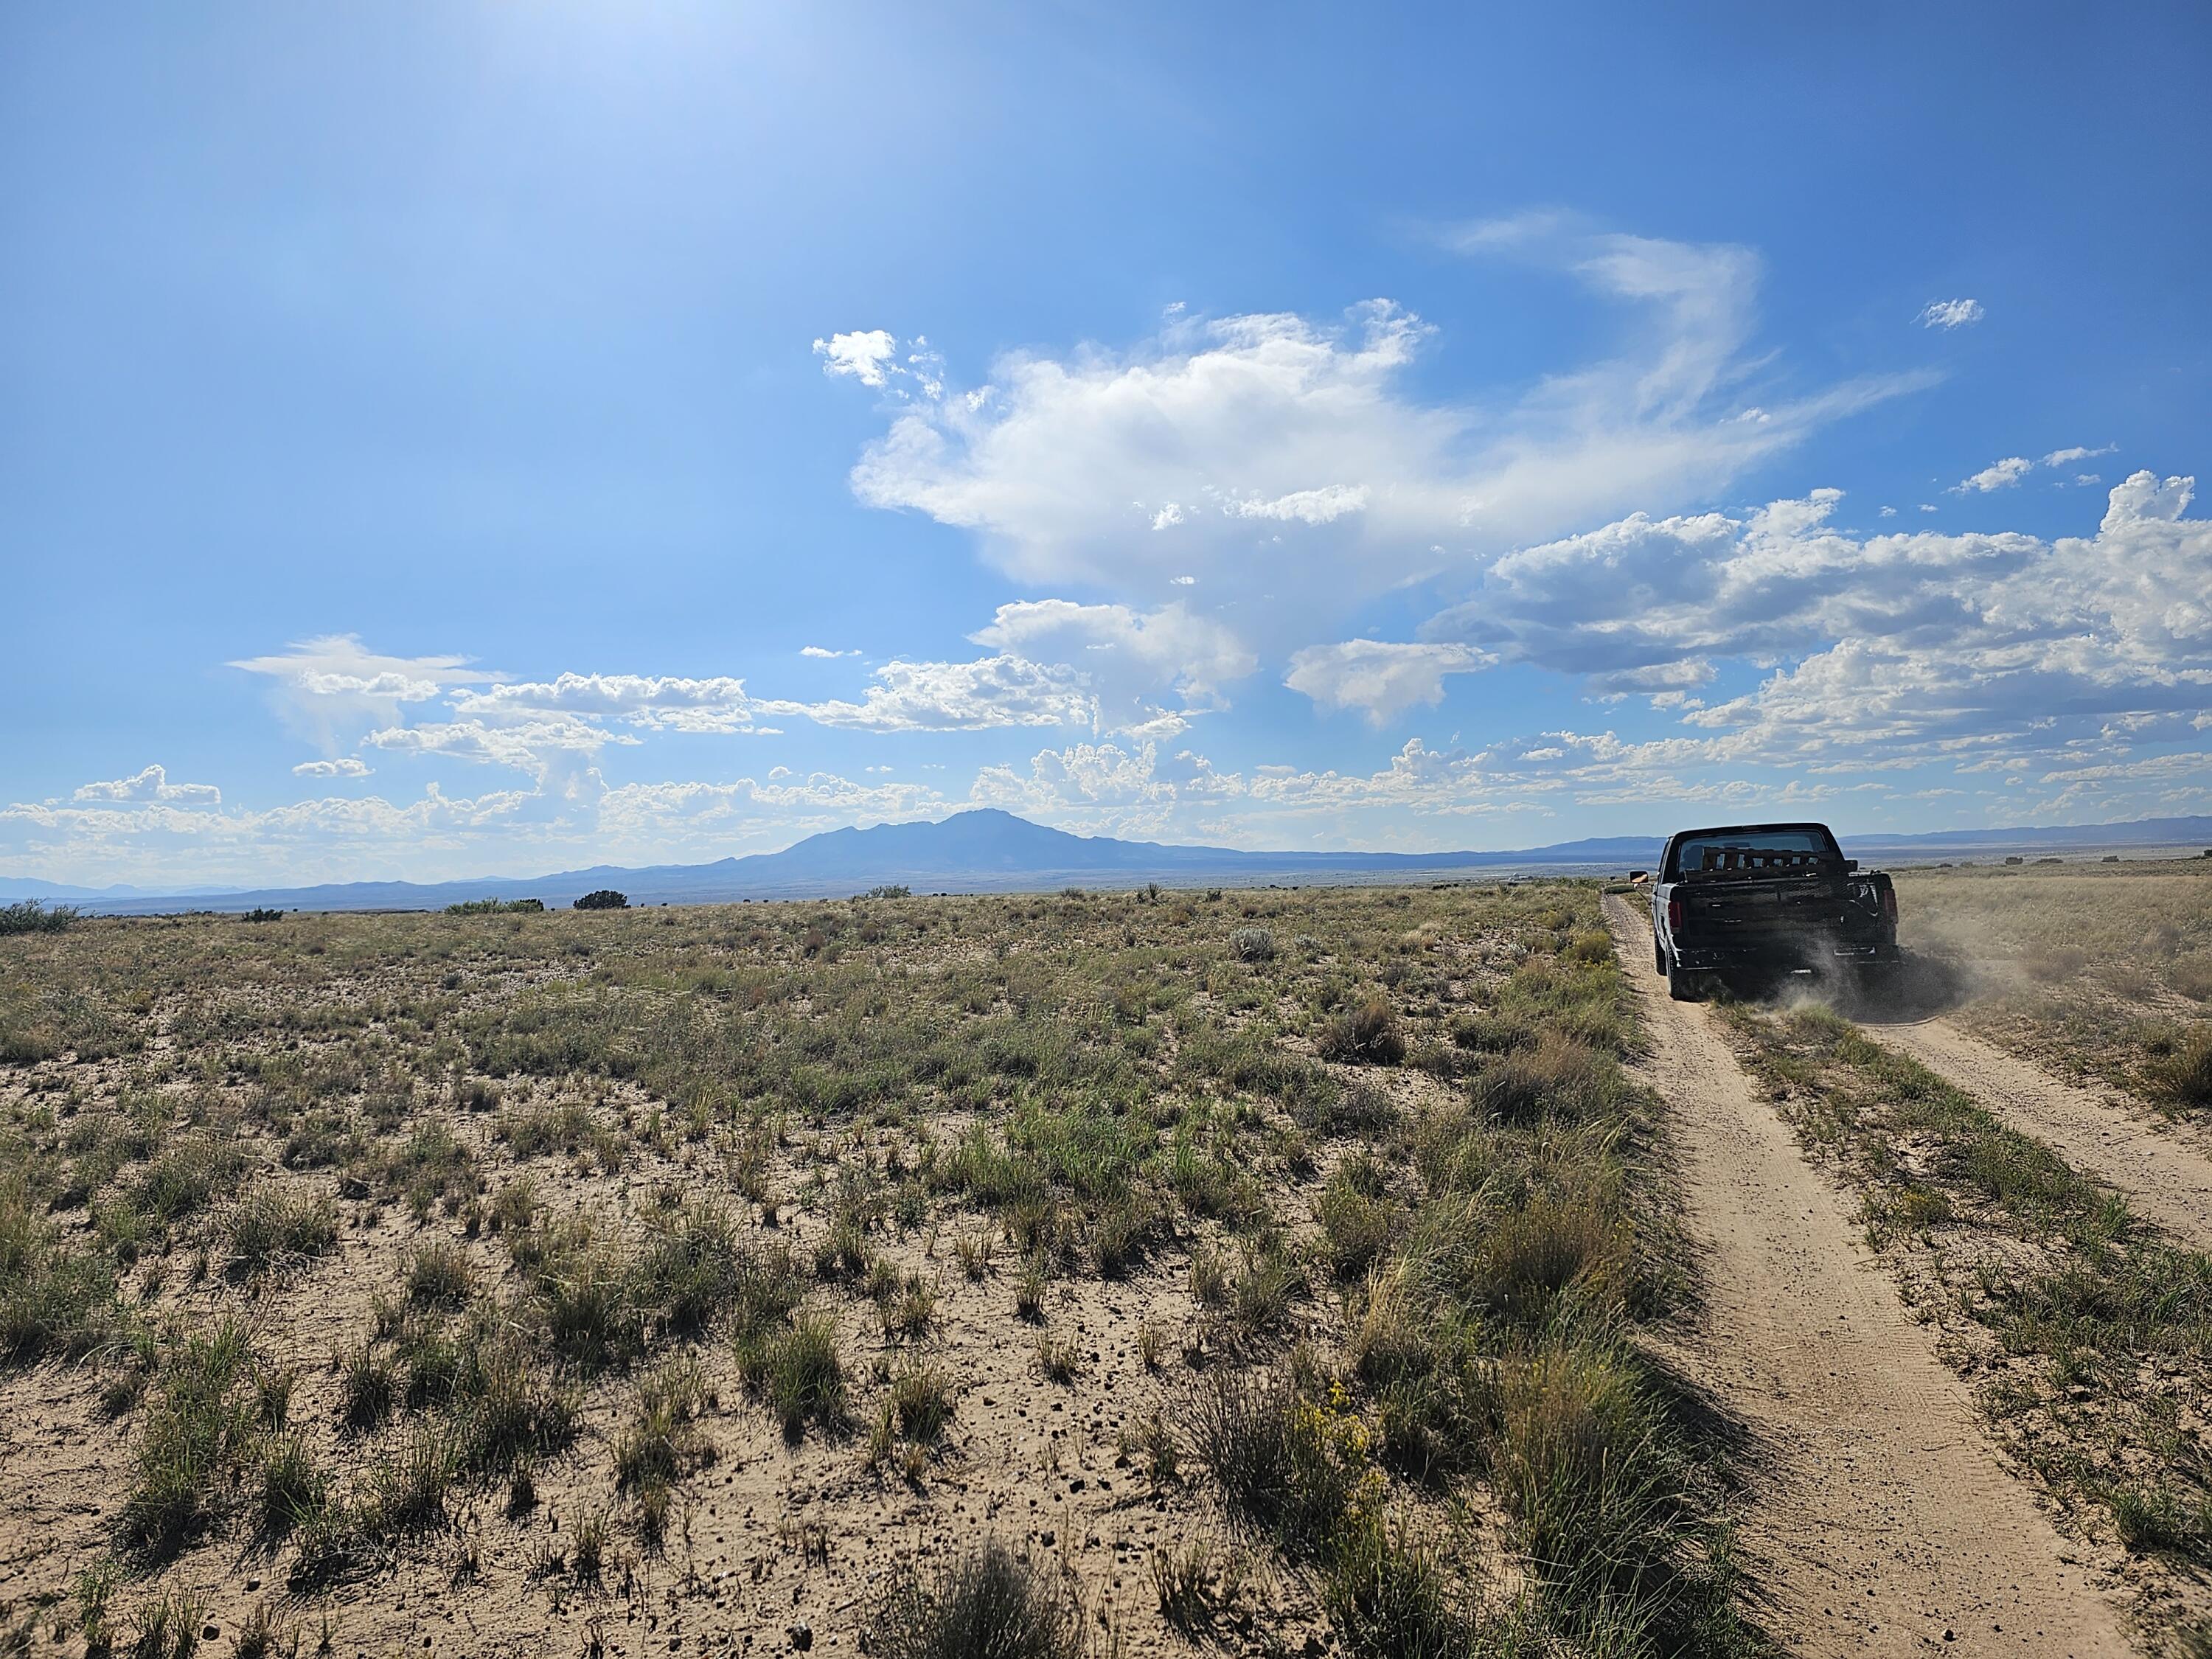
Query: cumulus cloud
point(1951, 313)
point(865, 356)
point(348, 767)
point(1381, 678)
point(1128, 658)
point(540, 746)
point(330, 688)
point(1290, 463)
point(823, 651)
point(1893, 646)
point(1997, 475)
point(151, 784)
point(714, 704)
point(958, 696)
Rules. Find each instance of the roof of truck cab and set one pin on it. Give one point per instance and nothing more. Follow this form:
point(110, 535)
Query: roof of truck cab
point(1750, 829)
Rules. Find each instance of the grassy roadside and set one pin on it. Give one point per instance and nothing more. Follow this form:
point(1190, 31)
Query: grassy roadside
point(2097, 970)
point(1495, 1255)
point(2088, 1337)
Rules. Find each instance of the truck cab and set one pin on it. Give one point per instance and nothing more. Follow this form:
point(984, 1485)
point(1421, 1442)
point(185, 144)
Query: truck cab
point(1754, 903)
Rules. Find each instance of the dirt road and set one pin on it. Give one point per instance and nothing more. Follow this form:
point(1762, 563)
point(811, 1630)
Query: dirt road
point(2168, 1177)
point(1881, 1522)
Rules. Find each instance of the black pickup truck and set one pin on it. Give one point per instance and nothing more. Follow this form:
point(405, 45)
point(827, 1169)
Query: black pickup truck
point(1756, 903)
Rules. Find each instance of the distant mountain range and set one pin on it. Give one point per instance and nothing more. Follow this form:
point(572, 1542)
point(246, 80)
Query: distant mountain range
point(991, 851)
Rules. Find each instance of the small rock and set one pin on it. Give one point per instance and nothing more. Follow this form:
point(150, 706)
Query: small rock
point(801, 1635)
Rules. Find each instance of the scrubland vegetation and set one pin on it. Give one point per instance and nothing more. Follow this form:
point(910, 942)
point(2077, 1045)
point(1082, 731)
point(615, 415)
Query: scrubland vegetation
point(2097, 970)
point(1102, 1271)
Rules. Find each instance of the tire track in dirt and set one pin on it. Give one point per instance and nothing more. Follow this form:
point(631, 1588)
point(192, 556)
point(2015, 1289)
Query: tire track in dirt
point(1881, 1522)
point(2166, 1179)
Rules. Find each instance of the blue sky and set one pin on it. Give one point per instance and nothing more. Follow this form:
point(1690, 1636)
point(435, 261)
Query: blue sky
point(448, 439)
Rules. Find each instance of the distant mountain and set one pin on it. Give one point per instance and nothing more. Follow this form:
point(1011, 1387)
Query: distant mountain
point(991, 851)
point(22, 887)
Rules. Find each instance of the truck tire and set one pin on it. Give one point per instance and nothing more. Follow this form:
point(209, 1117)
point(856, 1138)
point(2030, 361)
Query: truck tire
point(1685, 987)
point(1658, 958)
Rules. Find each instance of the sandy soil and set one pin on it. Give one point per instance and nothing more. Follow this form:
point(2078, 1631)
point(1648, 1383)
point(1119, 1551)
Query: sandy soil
point(2165, 1170)
point(1885, 1524)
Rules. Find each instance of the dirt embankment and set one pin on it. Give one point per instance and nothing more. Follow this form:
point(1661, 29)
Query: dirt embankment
point(1883, 1522)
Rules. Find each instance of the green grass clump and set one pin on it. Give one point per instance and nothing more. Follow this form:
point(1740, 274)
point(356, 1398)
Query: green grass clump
point(270, 1228)
point(199, 1426)
point(55, 1298)
point(438, 1275)
point(662, 1442)
point(796, 1368)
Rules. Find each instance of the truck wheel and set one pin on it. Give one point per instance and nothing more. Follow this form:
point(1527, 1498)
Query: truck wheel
point(1684, 987)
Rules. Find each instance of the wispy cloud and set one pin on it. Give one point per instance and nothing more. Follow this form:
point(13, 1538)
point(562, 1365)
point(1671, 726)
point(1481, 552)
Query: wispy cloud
point(1997, 475)
point(1951, 313)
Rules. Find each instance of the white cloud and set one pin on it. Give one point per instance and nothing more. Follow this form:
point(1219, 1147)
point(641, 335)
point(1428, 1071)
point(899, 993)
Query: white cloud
point(1298, 472)
point(540, 746)
point(1889, 512)
point(865, 357)
point(1128, 658)
point(1997, 475)
point(1304, 505)
point(1951, 313)
point(331, 689)
point(714, 704)
point(154, 842)
point(823, 651)
point(151, 784)
point(958, 696)
point(347, 767)
point(2067, 457)
point(1881, 651)
point(1382, 678)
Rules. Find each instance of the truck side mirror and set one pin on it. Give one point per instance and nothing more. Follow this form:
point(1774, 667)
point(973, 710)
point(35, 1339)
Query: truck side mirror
point(1637, 875)
point(1849, 864)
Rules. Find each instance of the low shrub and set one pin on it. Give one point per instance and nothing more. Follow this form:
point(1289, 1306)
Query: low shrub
point(1285, 1464)
point(2184, 1074)
point(988, 1600)
point(35, 916)
point(1366, 1034)
point(1253, 945)
point(606, 899)
point(1530, 1257)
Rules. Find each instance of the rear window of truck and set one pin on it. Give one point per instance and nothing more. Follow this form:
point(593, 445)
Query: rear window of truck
point(1751, 853)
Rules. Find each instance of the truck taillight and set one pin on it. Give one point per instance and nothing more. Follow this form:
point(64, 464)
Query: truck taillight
point(1889, 904)
point(1673, 914)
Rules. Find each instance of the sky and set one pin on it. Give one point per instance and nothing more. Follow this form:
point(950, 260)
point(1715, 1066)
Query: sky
point(455, 439)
